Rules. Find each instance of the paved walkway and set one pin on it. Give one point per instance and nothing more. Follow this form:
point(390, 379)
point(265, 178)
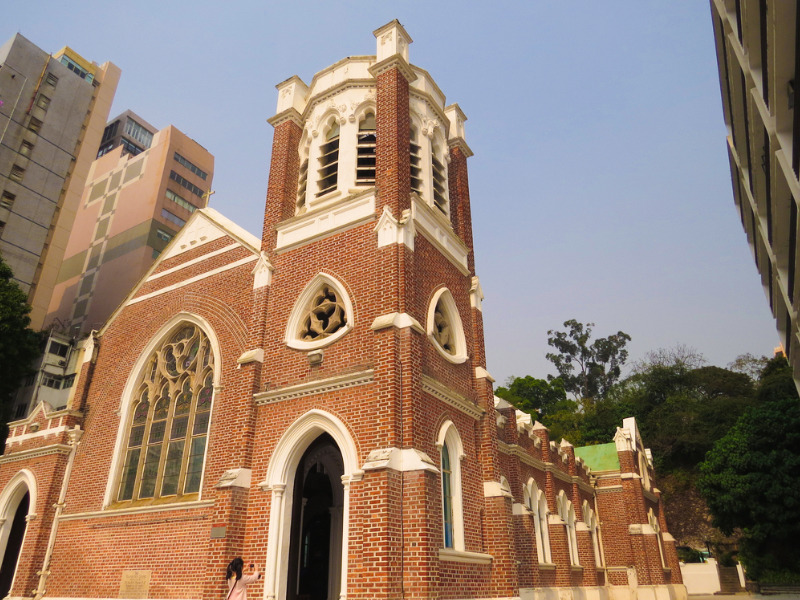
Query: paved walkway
point(743, 596)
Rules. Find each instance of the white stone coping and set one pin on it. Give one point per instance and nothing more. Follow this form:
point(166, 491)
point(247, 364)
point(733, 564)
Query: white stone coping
point(135, 510)
point(406, 459)
point(463, 556)
point(438, 230)
point(318, 386)
point(254, 355)
point(324, 221)
point(439, 390)
point(398, 320)
point(235, 478)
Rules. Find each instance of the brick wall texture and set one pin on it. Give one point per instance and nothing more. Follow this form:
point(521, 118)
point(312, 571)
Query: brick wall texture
point(395, 545)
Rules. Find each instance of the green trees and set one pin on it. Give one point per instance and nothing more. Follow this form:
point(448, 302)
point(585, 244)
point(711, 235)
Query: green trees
point(684, 409)
point(587, 369)
point(750, 478)
point(19, 346)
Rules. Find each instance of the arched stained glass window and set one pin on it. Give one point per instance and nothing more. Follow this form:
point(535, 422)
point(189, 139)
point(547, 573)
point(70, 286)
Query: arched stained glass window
point(168, 424)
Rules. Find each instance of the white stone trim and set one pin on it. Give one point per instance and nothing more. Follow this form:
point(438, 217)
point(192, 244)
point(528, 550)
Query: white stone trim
point(444, 296)
point(299, 312)
point(438, 390)
point(449, 435)
point(463, 556)
point(324, 221)
point(476, 294)
point(254, 355)
point(190, 280)
point(279, 481)
point(152, 508)
point(35, 453)
point(262, 272)
point(437, 229)
point(398, 320)
point(495, 489)
point(481, 373)
point(235, 478)
point(391, 231)
point(310, 388)
point(402, 460)
point(36, 434)
point(194, 261)
point(22, 482)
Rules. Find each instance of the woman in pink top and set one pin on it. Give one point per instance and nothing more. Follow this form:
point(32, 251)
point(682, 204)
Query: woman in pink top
point(237, 583)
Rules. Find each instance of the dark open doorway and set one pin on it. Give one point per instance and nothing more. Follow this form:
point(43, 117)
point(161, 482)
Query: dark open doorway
point(316, 539)
point(14, 545)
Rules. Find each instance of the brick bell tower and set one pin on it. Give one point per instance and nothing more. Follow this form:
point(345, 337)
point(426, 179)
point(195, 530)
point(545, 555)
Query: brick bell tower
point(369, 361)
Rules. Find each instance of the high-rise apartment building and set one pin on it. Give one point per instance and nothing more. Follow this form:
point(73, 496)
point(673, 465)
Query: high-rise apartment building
point(52, 113)
point(758, 50)
point(139, 193)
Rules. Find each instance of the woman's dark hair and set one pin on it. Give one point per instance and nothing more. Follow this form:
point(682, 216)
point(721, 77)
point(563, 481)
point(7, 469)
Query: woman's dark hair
point(235, 566)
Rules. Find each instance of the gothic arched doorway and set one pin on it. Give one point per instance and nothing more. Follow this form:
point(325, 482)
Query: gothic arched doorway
point(316, 531)
point(13, 545)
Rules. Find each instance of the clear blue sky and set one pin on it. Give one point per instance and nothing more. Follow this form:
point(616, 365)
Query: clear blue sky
point(600, 183)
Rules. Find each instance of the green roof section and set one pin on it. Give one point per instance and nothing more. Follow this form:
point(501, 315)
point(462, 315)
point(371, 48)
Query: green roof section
point(602, 457)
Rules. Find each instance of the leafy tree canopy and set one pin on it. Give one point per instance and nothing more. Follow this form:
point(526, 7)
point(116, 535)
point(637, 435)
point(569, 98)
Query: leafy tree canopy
point(588, 369)
point(538, 397)
point(19, 346)
point(749, 479)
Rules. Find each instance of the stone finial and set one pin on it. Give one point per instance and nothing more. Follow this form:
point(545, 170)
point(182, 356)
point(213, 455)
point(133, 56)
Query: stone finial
point(392, 39)
point(292, 93)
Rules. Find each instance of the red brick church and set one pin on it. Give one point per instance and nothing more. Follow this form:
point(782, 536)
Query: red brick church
point(317, 401)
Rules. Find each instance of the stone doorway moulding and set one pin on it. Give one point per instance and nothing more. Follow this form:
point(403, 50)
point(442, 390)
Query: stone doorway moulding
point(12, 500)
point(281, 474)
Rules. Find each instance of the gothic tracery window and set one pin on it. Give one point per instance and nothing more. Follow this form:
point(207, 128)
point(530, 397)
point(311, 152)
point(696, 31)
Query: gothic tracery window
point(321, 314)
point(442, 331)
point(168, 421)
point(325, 315)
point(444, 327)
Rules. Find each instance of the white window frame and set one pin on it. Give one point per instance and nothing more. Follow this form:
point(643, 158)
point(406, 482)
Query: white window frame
point(129, 396)
point(451, 311)
point(567, 514)
point(448, 434)
point(537, 504)
point(299, 312)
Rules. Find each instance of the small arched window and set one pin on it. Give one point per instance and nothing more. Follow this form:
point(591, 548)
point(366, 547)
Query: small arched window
point(447, 497)
point(567, 514)
point(365, 150)
point(450, 453)
point(591, 523)
point(538, 506)
point(168, 422)
point(329, 160)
